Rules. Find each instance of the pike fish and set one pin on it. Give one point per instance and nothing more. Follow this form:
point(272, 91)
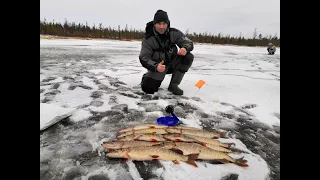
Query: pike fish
point(185, 127)
point(150, 153)
point(144, 131)
point(203, 152)
point(143, 137)
point(197, 132)
point(128, 144)
point(150, 125)
point(180, 138)
point(217, 146)
point(206, 141)
point(142, 126)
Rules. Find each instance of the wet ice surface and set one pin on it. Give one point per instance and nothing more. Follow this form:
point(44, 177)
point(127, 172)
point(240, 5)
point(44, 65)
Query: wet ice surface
point(100, 80)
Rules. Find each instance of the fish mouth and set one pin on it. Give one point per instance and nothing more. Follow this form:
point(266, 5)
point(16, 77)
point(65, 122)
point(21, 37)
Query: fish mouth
point(113, 154)
point(117, 154)
point(110, 145)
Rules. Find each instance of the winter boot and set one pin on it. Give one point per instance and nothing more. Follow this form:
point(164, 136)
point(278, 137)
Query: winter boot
point(175, 81)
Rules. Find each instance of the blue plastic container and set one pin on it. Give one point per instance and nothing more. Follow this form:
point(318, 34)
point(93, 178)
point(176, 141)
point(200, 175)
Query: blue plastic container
point(168, 121)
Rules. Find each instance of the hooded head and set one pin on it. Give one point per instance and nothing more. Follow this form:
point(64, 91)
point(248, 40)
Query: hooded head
point(161, 21)
point(161, 16)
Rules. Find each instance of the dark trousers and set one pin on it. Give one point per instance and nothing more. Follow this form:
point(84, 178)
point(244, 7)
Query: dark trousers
point(151, 81)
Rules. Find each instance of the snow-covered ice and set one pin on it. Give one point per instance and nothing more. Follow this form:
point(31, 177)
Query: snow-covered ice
point(95, 85)
point(51, 114)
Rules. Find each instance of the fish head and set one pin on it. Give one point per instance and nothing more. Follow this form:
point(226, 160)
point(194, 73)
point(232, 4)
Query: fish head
point(135, 136)
point(118, 153)
point(143, 137)
point(112, 144)
point(126, 138)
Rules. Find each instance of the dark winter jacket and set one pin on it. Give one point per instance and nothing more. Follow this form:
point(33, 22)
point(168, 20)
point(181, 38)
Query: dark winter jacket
point(152, 53)
point(271, 49)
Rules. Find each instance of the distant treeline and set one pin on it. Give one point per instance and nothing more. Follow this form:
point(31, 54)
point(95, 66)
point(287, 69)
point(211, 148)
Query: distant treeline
point(72, 29)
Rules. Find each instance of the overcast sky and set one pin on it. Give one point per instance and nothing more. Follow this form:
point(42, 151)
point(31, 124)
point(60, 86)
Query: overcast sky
point(226, 16)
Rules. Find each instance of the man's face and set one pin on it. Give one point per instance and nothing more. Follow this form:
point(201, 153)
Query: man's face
point(161, 27)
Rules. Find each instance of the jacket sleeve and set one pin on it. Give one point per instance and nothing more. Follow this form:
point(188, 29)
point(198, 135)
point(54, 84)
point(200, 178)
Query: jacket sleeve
point(145, 56)
point(183, 41)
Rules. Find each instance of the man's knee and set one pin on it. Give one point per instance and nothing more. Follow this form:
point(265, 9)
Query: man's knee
point(188, 59)
point(185, 63)
point(150, 85)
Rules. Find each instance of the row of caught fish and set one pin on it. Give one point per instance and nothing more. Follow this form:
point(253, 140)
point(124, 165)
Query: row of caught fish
point(161, 129)
point(153, 141)
point(174, 151)
point(208, 142)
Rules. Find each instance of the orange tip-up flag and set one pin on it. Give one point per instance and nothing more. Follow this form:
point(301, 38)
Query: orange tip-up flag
point(200, 83)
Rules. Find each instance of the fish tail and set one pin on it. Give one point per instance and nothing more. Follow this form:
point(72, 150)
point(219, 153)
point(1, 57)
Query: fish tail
point(235, 152)
point(191, 159)
point(224, 134)
point(229, 144)
point(241, 162)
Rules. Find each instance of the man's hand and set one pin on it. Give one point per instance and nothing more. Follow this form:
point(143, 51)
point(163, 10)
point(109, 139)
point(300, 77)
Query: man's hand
point(161, 67)
point(182, 52)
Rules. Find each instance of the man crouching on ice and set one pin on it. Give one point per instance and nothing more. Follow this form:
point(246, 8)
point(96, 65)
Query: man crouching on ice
point(271, 49)
point(160, 56)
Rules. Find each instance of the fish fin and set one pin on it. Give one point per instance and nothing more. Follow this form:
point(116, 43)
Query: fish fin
point(241, 162)
point(176, 151)
point(176, 162)
point(193, 156)
point(223, 161)
point(154, 156)
point(154, 140)
point(224, 134)
point(191, 159)
point(229, 144)
point(192, 163)
point(215, 137)
point(179, 140)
